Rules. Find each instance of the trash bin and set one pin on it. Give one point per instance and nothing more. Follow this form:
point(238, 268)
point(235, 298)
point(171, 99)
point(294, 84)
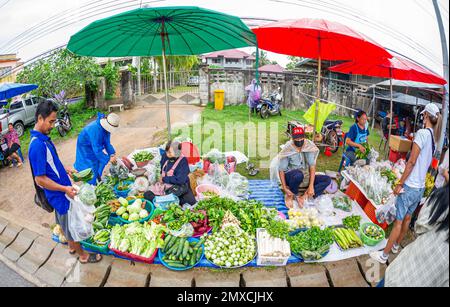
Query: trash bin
point(219, 99)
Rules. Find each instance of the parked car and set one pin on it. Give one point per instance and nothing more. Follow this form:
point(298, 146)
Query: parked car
point(20, 114)
point(193, 81)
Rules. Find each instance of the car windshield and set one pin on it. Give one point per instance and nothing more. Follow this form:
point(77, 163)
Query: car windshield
point(16, 105)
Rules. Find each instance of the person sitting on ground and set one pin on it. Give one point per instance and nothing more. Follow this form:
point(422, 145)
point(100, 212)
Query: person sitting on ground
point(13, 142)
point(174, 175)
point(50, 175)
point(297, 167)
point(425, 262)
point(356, 138)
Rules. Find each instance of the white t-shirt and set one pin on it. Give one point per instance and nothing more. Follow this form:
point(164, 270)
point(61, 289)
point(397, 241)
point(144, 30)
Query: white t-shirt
point(416, 179)
point(440, 179)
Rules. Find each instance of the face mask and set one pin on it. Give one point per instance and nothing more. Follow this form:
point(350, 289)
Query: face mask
point(299, 143)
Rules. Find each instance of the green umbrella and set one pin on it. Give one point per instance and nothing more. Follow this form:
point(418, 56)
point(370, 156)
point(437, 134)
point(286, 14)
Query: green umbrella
point(182, 30)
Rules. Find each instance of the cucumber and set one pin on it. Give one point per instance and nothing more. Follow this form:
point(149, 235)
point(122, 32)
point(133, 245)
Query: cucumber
point(166, 243)
point(199, 243)
point(177, 265)
point(186, 249)
point(180, 248)
point(198, 255)
point(193, 261)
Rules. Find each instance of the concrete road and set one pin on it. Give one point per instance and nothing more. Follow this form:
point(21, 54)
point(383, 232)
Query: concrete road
point(9, 278)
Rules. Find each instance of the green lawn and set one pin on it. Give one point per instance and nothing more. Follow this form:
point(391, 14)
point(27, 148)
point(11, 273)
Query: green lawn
point(260, 134)
point(79, 115)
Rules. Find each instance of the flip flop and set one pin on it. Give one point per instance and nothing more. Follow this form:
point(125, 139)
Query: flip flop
point(72, 252)
point(253, 172)
point(92, 259)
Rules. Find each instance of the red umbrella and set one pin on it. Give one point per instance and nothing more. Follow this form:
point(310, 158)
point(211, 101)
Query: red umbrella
point(394, 68)
point(318, 39)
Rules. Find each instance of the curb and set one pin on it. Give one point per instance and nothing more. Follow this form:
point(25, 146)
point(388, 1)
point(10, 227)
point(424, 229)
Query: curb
point(27, 276)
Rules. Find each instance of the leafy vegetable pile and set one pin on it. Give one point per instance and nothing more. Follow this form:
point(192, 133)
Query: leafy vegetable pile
point(176, 217)
point(104, 193)
point(180, 253)
point(352, 222)
point(390, 176)
point(363, 155)
point(137, 239)
point(143, 156)
point(132, 212)
point(278, 229)
point(230, 247)
point(251, 214)
point(343, 203)
point(373, 232)
point(312, 244)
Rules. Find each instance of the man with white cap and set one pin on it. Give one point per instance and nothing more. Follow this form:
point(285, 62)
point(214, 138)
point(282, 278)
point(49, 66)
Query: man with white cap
point(410, 189)
point(94, 149)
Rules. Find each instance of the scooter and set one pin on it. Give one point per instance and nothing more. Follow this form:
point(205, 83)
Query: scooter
point(63, 122)
point(271, 105)
point(332, 134)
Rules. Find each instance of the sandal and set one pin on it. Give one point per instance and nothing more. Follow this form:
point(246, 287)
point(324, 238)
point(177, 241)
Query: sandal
point(92, 259)
point(72, 252)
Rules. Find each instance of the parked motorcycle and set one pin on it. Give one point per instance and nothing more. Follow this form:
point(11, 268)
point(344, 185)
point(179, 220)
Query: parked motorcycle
point(270, 105)
point(332, 134)
point(63, 122)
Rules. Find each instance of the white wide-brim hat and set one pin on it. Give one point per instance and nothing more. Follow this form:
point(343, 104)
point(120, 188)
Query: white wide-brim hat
point(110, 123)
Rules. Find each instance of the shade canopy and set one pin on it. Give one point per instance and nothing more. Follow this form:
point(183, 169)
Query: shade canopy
point(395, 68)
point(317, 38)
point(9, 90)
point(187, 30)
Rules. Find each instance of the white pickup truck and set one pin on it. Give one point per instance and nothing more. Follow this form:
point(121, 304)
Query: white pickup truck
point(21, 114)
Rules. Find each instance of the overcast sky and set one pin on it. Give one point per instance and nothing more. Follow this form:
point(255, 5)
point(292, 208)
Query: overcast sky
point(406, 26)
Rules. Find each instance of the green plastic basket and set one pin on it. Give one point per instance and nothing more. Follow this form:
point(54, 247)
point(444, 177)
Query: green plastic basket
point(366, 239)
point(91, 246)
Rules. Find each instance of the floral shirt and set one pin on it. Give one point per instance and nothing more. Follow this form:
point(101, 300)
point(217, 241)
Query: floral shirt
point(12, 137)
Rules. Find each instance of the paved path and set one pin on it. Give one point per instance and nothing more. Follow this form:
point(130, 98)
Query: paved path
point(9, 278)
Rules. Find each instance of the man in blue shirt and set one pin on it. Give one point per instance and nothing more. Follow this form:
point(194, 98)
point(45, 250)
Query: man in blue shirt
point(51, 175)
point(94, 149)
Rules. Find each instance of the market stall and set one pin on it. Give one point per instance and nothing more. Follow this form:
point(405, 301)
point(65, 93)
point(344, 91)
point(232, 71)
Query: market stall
point(235, 222)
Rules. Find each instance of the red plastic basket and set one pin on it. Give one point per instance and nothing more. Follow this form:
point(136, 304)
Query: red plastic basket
point(135, 257)
point(355, 194)
point(394, 156)
point(370, 209)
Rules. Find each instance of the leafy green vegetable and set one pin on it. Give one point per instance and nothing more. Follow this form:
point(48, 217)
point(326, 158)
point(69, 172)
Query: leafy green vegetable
point(363, 155)
point(143, 156)
point(314, 240)
point(352, 222)
point(278, 229)
point(104, 193)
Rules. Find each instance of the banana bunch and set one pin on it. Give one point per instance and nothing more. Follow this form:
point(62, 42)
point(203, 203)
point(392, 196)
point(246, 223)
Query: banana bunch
point(347, 238)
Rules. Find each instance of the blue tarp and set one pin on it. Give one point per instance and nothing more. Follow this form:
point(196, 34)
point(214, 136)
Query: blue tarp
point(9, 90)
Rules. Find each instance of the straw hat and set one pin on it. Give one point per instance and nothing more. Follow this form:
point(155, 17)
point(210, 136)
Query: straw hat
point(110, 123)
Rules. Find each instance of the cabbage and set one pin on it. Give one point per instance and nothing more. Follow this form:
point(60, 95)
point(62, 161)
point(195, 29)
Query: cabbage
point(121, 211)
point(87, 194)
point(134, 217)
point(143, 214)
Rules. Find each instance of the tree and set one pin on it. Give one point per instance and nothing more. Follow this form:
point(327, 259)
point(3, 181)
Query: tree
point(112, 77)
point(293, 62)
point(263, 59)
point(61, 71)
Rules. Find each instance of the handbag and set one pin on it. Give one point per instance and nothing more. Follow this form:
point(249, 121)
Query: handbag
point(39, 198)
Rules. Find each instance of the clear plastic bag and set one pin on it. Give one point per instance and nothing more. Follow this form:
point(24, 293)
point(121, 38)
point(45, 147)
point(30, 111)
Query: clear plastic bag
point(79, 216)
point(238, 185)
point(186, 231)
point(87, 195)
point(325, 205)
point(387, 213)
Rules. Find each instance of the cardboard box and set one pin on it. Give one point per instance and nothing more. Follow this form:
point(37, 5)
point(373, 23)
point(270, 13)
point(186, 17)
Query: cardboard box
point(400, 144)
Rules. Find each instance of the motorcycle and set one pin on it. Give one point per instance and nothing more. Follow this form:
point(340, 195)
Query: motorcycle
point(332, 134)
point(270, 105)
point(63, 122)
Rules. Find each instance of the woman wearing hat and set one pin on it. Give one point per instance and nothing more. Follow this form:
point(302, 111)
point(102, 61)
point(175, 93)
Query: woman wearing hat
point(93, 141)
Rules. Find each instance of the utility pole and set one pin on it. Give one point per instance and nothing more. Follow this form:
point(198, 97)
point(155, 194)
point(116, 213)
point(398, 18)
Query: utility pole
point(446, 75)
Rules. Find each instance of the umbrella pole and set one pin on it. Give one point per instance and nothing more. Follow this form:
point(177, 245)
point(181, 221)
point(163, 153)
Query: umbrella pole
point(165, 83)
point(318, 98)
point(392, 105)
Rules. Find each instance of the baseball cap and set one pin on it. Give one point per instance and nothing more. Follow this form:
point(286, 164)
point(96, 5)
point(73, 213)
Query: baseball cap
point(298, 132)
point(110, 123)
point(431, 109)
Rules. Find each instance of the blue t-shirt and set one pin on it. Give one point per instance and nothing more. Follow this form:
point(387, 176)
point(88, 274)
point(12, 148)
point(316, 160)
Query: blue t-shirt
point(45, 162)
point(357, 135)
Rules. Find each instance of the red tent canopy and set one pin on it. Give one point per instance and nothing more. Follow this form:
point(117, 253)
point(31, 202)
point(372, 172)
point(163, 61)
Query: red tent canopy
point(396, 68)
point(317, 38)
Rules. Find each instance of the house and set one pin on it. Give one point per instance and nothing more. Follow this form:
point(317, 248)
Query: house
point(230, 59)
point(8, 63)
point(272, 69)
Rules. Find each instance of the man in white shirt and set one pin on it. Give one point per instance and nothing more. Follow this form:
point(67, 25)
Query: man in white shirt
point(412, 184)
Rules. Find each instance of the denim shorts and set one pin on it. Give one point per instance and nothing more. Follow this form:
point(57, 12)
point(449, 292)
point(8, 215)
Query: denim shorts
point(408, 201)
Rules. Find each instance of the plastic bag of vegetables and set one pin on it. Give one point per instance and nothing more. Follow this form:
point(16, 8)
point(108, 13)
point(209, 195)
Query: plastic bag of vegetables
point(87, 194)
point(80, 220)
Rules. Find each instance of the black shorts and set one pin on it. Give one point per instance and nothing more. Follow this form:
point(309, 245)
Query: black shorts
point(14, 148)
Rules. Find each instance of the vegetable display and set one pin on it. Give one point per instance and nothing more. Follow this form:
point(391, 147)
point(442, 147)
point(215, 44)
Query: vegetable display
point(143, 156)
point(347, 238)
point(87, 194)
point(312, 244)
point(179, 253)
point(132, 211)
point(429, 185)
point(304, 218)
point(269, 246)
point(390, 176)
point(363, 155)
point(343, 203)
point(352, 222)
point(137, 239)
point(278, 229)
point(373, 232)
point(104, 193)
point(251, 214)
point(101, 214)
point(101, 237)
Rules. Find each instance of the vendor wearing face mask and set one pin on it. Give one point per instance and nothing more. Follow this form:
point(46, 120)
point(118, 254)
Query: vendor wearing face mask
point(297, 168)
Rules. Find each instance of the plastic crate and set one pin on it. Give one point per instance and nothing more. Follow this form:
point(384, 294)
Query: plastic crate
point(148, 206)
point(163, 202)
point(91, 247)
point(132, 257)
point(355, 194)
point(370, 211)
point(269, 261)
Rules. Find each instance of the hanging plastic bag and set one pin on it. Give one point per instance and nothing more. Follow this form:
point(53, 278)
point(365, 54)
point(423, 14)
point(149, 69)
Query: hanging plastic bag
point(87, 194)
point(387, 213)
point(80, 217)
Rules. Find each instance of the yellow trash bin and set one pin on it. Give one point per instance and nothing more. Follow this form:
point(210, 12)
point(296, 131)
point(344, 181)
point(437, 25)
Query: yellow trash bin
point(219, 99)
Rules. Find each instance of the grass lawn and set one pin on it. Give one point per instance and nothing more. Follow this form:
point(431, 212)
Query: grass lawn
point(79, 114)
point(260, 135)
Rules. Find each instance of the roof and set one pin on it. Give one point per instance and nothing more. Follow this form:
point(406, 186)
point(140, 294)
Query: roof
point(230, 54)
point(272, 68)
